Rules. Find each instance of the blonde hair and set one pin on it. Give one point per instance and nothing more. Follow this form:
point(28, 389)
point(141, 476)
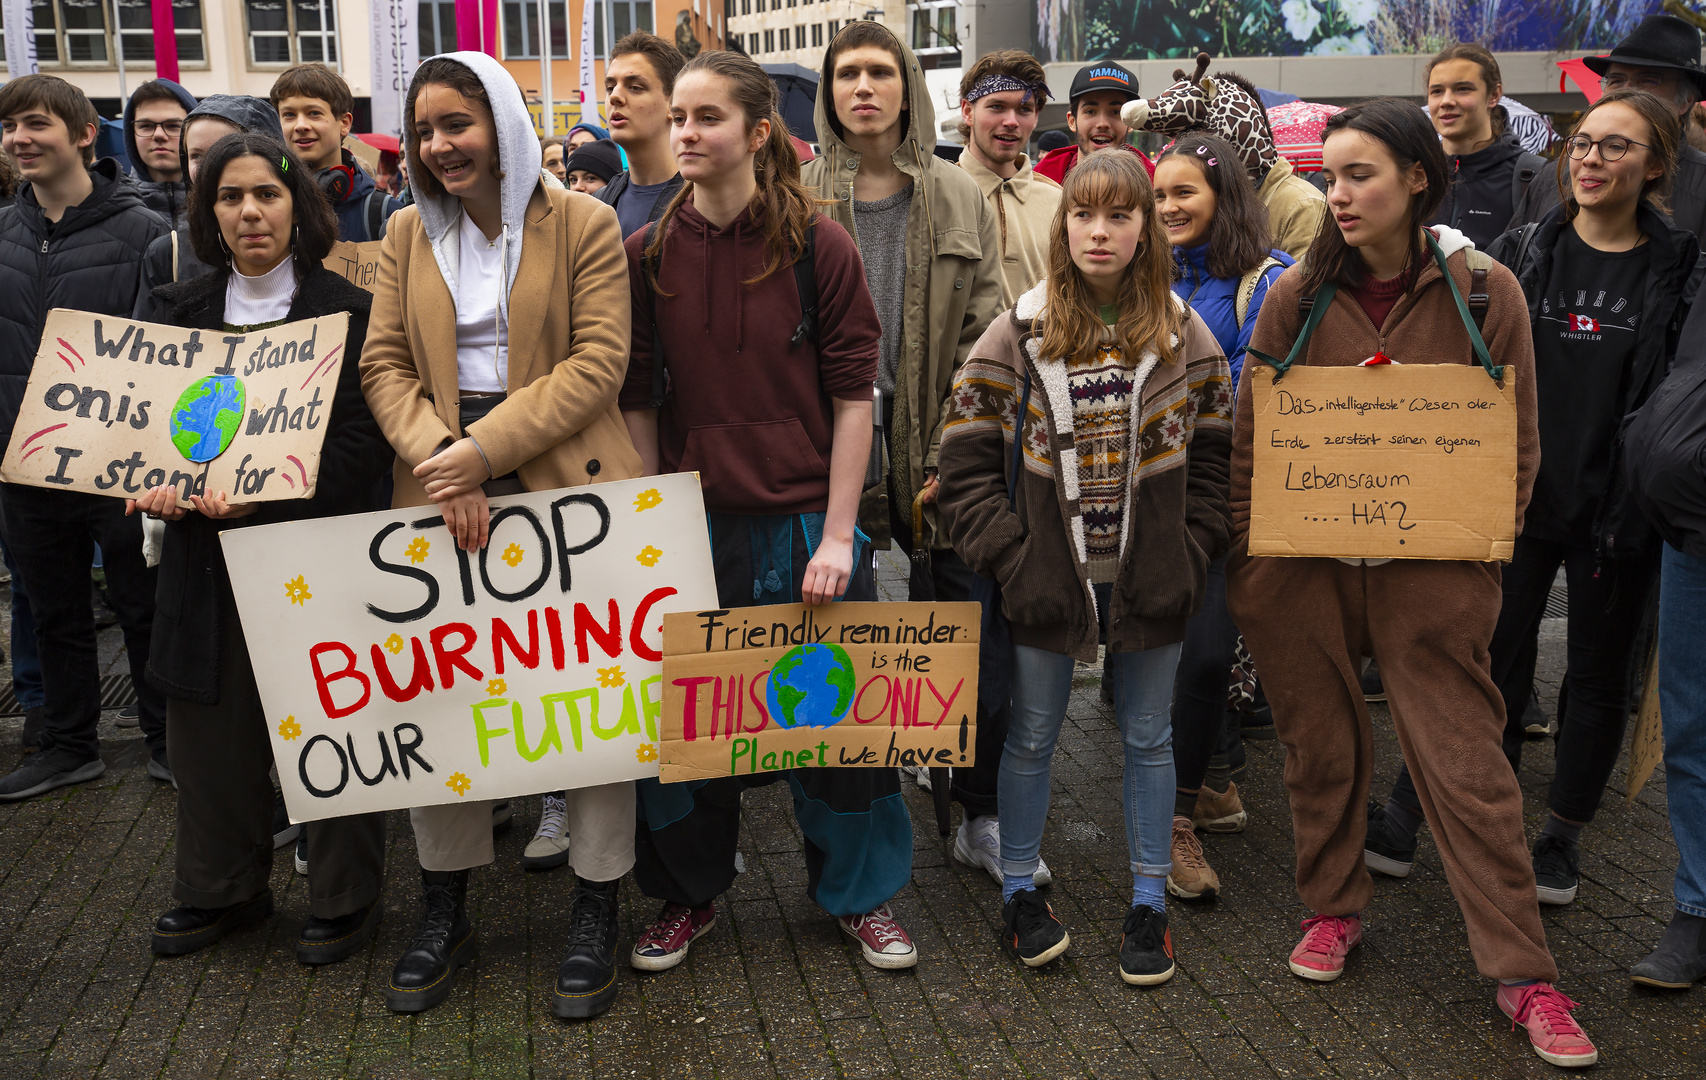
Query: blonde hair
point(1147, 317)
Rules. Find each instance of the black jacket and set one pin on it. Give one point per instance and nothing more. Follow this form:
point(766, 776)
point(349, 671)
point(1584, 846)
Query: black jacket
point(1673, 277)
point(1687, 198)
point(1665, 448)
point(1487, 187)
point(86, 262)
point(194, 596)
point(609, 193)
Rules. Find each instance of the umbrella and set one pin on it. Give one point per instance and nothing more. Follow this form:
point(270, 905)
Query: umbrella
point(380, 142)
point(1531, 129)
point(1270, 98)
point(796, 97)
point(1297, 132)
point(1586, 81)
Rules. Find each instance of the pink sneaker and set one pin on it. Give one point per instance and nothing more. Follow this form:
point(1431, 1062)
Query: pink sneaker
point(1320, 956)
point(880, 938)
point(1553, 1033)
point(663, 944)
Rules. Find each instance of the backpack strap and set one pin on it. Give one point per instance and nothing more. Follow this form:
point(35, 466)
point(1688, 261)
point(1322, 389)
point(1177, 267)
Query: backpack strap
point(1479, 263)
point(1247, 286)
point(174, 256)
point(805, 280)
point(649, 266)
point(1470, 323)
point(1312, 308)
point(373, 213)
point(1522, 245)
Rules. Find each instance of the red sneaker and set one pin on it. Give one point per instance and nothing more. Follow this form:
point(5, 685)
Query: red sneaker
point(880, 938)
point(664, 943)
point(1327, 939)
point(1553, 1033)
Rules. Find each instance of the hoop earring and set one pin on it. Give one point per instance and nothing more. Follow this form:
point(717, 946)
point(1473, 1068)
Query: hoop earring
point(224, 248)
point(295, 237)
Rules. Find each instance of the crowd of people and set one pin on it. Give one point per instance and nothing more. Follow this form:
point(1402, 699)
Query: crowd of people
point(1033, 378)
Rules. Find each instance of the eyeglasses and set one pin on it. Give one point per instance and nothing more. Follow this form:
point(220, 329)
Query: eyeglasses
point(147, 128)
point(1611, 147)
point(1650, 81)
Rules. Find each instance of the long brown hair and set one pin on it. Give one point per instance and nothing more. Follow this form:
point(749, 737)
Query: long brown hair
point(1148, 316)
point(1664, 147)
point(782, 206)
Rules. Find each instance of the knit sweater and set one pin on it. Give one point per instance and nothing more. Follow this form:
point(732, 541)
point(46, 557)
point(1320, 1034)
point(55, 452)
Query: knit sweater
point(1100, 390)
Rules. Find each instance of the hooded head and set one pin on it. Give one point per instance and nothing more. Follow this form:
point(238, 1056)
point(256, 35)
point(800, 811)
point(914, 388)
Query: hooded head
point(918, 115)
point(483, 83)
point(251, 115)
point(154, 90)
point(592, 129)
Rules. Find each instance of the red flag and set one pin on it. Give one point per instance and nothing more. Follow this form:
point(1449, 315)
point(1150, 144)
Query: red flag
point(165, 41)
point(1583, 322)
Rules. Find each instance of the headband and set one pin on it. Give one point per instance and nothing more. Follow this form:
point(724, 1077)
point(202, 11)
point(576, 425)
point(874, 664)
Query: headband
point(999, 83)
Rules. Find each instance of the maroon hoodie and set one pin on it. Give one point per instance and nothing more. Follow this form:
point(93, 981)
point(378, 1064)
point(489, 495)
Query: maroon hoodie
point(747, 409)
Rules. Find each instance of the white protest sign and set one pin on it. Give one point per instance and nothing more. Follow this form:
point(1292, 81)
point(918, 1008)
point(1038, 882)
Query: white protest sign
point(115, 407)
point(397, 670)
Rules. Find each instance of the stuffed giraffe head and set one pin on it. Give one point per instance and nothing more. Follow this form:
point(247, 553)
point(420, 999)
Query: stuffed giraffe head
point(1226, 105)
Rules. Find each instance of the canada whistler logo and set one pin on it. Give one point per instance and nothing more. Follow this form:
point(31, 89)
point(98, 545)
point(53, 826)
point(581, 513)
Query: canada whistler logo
point(1581, 323)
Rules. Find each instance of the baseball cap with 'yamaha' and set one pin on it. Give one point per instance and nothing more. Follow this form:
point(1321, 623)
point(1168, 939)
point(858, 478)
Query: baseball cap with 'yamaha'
point(1092, 78)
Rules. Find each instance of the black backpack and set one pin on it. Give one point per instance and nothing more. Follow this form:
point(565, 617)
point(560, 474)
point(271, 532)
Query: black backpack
point(1664, 457)
point(805, 280)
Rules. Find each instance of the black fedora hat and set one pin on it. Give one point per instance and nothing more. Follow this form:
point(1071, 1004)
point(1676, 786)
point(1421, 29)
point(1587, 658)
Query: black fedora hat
point(1661, 41)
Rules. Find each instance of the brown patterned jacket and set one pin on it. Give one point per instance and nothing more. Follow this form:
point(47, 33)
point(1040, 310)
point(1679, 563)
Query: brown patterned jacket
point(1176, 519)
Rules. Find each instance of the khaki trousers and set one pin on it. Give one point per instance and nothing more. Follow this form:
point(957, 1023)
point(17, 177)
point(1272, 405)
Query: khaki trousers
point(456, 836)
point(1308, 623)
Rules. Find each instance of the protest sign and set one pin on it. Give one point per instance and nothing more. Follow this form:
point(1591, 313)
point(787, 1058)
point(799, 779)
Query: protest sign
point(398, 670)
point(1647, 736)
point(766, 688)
point(357, 264)
point(115, 407)
point(1394, 461)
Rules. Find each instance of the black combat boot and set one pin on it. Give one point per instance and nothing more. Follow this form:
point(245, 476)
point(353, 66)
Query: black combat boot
point(586, 983)
point(444, 943)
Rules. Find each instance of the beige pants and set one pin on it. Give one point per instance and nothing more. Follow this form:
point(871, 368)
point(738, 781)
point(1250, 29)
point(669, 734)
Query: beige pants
point(456, 836)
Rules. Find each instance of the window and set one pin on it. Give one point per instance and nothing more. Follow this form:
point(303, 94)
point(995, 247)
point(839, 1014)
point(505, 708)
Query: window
point(437, 21)
point(626, 16)
point(284, 32)
point(521, 30)
point(76, 32)
point(800, 36)
point(830, 28)
point(769, 41)
point(746, 7)
point(933, 26)
point(817, 34)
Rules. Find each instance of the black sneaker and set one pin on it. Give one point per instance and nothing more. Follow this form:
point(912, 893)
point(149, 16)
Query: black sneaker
point(42, 772)
point(129, 716)
point(1146, 947)
point(283, 830)
point(1372, 688)
point(1033, 933)
point(1556, 869)
point(1385, 848)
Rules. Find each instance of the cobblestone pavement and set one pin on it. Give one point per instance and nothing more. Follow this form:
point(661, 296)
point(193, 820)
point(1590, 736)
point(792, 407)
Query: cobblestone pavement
point(775, 990)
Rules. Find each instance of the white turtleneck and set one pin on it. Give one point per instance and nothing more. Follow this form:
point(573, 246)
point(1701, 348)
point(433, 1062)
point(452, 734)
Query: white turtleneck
point(250, 301)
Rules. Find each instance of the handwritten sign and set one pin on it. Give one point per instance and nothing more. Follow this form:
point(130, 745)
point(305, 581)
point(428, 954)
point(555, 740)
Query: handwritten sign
point(114, 407)
point(1647, 737)
point(397, 670)
point(357, 264)
point(766, 688)
point(1396, 461)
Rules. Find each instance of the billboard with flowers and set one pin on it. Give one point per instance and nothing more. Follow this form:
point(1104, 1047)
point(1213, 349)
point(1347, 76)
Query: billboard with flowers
point(1083, 30)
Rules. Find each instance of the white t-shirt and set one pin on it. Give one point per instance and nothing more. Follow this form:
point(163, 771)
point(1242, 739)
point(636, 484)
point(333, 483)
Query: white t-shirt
point(480, 367)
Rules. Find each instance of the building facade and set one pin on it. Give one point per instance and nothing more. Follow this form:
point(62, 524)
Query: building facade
point(797, 31)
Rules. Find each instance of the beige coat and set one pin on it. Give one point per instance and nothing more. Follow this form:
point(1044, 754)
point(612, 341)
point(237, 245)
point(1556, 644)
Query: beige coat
point(1295, 209)
point(568, 351)
point(1024, 207)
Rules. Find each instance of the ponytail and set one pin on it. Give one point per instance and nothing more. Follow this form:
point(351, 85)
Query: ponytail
point(781, 205)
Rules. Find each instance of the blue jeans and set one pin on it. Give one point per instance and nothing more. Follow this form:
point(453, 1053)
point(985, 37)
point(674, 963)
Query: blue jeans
point(1682, 703)
point(1143, 696)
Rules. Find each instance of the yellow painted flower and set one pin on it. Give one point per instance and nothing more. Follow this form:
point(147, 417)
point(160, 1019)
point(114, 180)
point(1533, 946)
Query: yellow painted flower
point(496, 687)
point(394, 644)
point(646, 752)
point(417, 549)
point(458, 783)
point(298, 591)
point(648, 556)
point(647, 499)
point(513, 554)
point(288, 728)
point(610, 676)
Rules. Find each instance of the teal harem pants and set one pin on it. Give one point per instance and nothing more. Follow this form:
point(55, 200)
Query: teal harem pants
point(858, 835)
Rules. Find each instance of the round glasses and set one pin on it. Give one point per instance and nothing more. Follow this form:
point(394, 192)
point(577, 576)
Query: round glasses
point(1611, 147)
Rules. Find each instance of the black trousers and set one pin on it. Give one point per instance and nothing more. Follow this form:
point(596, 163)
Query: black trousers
point(221, 755)
point(1606, 601)
point(1199, 689)
point(52, 537)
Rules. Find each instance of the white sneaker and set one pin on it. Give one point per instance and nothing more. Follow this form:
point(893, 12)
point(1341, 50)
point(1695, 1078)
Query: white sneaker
point(918, 774)
point(978, 843)
point(549, 847)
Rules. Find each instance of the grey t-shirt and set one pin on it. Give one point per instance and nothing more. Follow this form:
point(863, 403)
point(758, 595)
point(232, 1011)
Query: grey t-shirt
point(634, 206)
point(881, 229)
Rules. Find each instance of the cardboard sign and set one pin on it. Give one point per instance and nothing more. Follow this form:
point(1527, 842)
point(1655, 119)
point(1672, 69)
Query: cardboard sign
point(766, 688)
point(1395, 461)
point(357, 264)
point(398, 670)
point(114, 407)
point(1647, 737)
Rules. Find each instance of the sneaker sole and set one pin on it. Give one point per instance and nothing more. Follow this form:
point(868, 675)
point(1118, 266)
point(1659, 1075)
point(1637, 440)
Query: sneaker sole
point(1233, 823)
point(1259, 732)
point(1555, 897)
point(962, 854)
point(584, 1006)
point(669, 960)
point(1147, 980)
point(1538, 730)
point(1047, 954)
point(413, 1001)
point(301, 865)
point(316, 953)
point(182, 944)
point(1313, 974)
point(1648, 980)
point(81, 774)
point(544, 862)
point(1385, 864)
point(1201, 894)
point(882, 961)
point(1565, 1061)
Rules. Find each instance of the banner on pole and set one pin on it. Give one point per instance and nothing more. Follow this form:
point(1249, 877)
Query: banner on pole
point(589, 84)
point(20, 25)
point(396, 54)
point(398, 670)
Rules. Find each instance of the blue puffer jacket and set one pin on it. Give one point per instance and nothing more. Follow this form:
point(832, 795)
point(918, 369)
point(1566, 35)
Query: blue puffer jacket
point(1216, 300)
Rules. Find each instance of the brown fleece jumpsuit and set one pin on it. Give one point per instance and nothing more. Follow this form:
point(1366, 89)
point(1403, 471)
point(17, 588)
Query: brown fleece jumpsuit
point(1309, 622)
